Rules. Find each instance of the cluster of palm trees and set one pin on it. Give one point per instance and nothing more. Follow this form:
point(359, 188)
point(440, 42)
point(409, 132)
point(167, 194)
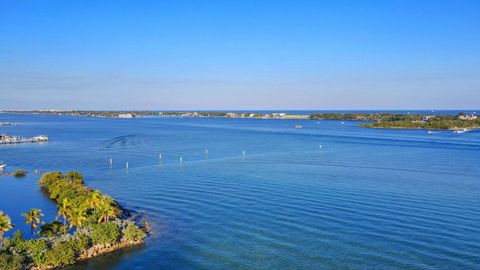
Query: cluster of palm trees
point(104, 205)
point(74, 215)
point(77, 215)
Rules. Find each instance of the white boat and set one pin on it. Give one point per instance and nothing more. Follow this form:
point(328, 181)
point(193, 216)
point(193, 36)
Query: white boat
point(2, 166)
point(40, 138)
point(461, 131)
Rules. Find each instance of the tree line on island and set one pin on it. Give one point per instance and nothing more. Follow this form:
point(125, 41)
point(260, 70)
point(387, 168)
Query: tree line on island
point(406, 121)
point(89, 220)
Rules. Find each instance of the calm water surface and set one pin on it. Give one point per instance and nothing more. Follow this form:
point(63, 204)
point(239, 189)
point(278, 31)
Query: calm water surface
point(366, 199)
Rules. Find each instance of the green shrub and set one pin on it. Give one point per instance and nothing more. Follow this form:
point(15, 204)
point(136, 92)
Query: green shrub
point(74, 177)
point(105, 233)
point(17, 236)
point(15, 241)
point(133, 233)
point(49, 178)
point(36, 249)
point(80, 242)
point(61, 254)
point(10, 261)
point(19, 173)
point(93, 217)
point(55, 228)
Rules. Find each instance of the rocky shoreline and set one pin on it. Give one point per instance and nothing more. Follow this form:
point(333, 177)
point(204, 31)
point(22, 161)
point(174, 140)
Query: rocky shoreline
point(96, 251)
point(103, 249)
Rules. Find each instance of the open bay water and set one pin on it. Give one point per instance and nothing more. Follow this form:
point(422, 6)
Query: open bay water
point(365, 199)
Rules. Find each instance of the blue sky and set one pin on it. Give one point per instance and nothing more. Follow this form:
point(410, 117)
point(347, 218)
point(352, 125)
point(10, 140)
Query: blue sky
point(406, 54)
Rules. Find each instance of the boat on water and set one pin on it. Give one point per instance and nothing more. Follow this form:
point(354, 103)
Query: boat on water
point(298, 126)
point(459, 131)
point(2, 166)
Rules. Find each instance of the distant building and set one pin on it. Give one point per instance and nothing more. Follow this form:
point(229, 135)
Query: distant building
point(126, 115)
point(278, 115)
point(467, 117)
point(40, 138)
point(427, 117)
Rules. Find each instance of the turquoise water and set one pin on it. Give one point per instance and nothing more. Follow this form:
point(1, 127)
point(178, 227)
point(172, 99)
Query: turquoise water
point(367, 199)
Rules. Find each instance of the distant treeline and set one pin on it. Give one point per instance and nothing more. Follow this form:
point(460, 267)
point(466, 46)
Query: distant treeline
point(407, 121)
point(367, 116)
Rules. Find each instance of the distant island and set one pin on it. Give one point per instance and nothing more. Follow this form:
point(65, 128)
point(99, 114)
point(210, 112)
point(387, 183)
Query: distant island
point(462, 121)
point(407, 121)
point(93, 224)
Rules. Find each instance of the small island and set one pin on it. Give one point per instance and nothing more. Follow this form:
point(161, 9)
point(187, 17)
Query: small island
point(91, 224)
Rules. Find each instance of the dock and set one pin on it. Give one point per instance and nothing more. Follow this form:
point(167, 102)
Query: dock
point(8, 139)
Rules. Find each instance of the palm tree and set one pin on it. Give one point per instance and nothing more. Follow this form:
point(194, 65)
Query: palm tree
point(5, 225)
point(107, 211)
point(33, 217)
point(64, 210)
point(76, 217)
point(95, 202)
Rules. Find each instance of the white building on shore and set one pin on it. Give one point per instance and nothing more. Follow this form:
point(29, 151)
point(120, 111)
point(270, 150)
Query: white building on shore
point(126, 115)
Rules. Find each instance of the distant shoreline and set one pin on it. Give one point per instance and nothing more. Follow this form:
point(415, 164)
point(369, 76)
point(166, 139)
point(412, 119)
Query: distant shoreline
point(460, 122)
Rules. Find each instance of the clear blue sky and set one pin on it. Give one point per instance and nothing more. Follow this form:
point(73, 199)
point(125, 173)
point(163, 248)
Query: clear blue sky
point(383, 54)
